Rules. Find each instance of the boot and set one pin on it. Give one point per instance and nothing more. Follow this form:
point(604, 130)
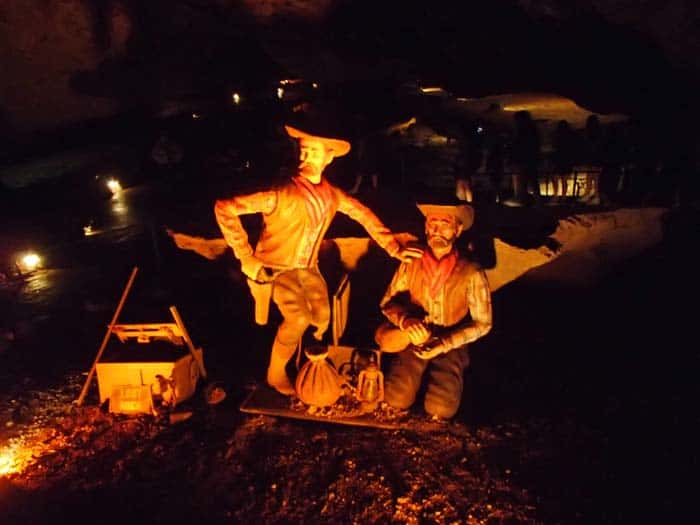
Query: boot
point(276, 371)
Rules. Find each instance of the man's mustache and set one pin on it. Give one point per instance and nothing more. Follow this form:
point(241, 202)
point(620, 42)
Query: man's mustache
point(438, 240)
point(437, 236)
point(307, 169)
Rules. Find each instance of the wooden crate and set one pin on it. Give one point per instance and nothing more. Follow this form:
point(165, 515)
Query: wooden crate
point(152, 355)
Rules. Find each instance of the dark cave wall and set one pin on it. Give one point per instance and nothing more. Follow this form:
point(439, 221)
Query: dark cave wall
point(42, 44)
point(66, 61)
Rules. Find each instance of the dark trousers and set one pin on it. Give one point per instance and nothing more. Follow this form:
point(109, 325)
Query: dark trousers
point(443, 376)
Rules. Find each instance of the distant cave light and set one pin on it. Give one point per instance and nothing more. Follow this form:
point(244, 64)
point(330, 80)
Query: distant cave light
point(114, 186)
point(543, 103)
point(401, 127)
point(432, 89)
point(119, 208)
point(582, 181)
point(236, 98)
point(28, 262)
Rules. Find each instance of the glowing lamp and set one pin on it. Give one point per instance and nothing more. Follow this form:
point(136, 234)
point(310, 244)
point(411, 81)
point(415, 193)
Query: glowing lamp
point(280, 93)
point(114, 186)
point(28, 262)
point(236, 98)
point(314, 85)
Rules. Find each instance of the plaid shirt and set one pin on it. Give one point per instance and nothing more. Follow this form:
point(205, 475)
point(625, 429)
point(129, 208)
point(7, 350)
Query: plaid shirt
point(460, 312)
point(291, 237)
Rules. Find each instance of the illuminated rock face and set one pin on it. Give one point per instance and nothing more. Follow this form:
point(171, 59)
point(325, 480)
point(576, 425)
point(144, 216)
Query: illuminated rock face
point(592, 244)
point(43, 45)
point(588, 245)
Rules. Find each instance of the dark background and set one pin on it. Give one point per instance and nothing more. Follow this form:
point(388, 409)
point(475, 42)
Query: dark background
point(81, 63)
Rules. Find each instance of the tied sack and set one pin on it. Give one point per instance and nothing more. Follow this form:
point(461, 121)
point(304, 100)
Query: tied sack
point(318, 382)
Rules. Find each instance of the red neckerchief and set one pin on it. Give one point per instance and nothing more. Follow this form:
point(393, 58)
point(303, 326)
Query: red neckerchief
point(435, 273)
point(317, 197)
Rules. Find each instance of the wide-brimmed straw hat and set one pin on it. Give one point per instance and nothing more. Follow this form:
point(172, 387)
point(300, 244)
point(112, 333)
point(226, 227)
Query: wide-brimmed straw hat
point(325, 121)
point(463, 212)
point(339, 147)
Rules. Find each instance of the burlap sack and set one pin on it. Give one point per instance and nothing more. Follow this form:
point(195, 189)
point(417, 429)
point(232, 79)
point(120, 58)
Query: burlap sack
point(318, 382)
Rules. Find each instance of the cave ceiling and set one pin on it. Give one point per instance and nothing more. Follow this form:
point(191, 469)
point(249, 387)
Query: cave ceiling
point(70, 60)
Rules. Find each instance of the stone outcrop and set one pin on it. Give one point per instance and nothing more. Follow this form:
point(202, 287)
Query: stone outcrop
point(581, 249)
point(592, 244)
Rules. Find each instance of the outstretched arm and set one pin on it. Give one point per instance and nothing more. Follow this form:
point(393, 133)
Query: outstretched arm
point(227, 212)
point(376, 229)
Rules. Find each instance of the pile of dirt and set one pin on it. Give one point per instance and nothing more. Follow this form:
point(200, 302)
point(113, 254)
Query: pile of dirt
point(229, 468)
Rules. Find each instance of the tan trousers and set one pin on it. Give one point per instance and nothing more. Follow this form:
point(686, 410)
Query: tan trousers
point(444, 381)
point(302, 298)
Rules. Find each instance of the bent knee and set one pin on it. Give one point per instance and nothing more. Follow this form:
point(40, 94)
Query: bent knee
point(400, 400)
point(442, 408)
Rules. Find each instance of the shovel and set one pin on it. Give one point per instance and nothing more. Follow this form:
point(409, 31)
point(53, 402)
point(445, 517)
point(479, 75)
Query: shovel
point(214, 394)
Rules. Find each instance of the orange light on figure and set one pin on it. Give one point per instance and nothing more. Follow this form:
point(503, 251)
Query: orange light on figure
point(296, 215)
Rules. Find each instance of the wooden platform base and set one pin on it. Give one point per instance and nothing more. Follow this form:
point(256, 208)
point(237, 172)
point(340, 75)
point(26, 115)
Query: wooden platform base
point(266, 401)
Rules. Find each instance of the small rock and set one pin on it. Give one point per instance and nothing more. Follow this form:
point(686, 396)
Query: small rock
point(179, 417)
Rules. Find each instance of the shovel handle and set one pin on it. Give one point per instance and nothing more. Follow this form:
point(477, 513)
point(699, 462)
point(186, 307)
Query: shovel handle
point(188, 341)
point(86, 385)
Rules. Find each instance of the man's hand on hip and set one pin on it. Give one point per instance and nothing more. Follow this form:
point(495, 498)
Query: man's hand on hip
point(264, 276)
